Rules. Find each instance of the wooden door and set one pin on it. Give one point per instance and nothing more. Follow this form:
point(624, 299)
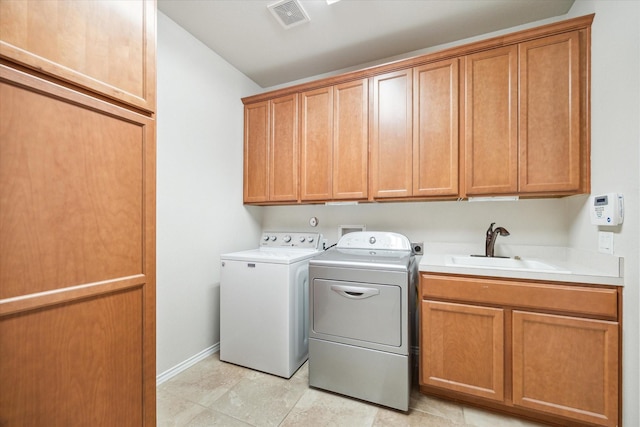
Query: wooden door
point(435, 129)
point(256, 152)
point(283, 153)
point(107, 47)
point(351, 140)
point(77, 258)
point(491, 122)
point(316, 144)
point(391, 137)
point(462, 348)
point(550, 114)
point(566, 366)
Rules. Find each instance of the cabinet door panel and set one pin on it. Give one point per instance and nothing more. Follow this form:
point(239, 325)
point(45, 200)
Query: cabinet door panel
point(256, 152)
point(104, 46)
point(435, 129)
point(316, 141)
point(462, 348)
point(566, 366)
point(391, 136)
point(491, 121)
point(351, 139)
point(550, 114)
point(283, 164)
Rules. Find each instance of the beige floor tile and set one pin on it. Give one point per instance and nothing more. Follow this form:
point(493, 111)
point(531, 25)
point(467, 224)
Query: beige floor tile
point(318, 408)
point(260, 399)
point(479, 418)
point(386, 418)
point(438, 407)
point(173, 411)
point(211, 418)
point(206, 381)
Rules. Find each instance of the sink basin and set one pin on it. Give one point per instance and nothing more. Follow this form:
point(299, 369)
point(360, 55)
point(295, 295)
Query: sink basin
point(531, 265)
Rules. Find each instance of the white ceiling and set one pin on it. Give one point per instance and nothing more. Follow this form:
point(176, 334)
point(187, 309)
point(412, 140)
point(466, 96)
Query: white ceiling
point(344, 34)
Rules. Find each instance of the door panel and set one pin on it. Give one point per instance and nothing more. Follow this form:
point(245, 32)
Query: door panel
point(77, 258)
point(316, 141)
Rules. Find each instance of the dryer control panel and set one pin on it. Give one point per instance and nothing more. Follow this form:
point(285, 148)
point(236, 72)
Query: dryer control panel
point(290, 239)
point(374, 240)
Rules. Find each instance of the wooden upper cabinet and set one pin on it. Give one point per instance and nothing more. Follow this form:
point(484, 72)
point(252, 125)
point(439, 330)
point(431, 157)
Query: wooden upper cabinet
point(316, 144)
point(107, 47)
point(283, 152)
point(566, 366)
point(351, 140)
point(491, 121)
point(550, 138)
point(334, 142)
point(391, 135)
point(435, 129)
point(256, 152)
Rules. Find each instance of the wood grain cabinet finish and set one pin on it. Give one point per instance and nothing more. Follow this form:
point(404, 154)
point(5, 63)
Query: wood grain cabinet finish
point(465, 348)
point(334, 142)
point(435, 129)
point(271, 150)
point(542, 350)
point(525, 118)
point(107, 47)
point(491, 121)
point(567, 366)
point(77, 216)
point(391, 135)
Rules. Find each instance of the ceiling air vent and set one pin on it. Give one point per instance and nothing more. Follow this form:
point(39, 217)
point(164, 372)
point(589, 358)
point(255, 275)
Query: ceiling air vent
point(289, 13)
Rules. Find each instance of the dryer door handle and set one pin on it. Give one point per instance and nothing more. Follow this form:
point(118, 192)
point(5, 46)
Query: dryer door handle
point(355, 292)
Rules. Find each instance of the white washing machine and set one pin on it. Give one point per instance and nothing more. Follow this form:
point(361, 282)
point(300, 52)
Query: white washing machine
point(264, 303)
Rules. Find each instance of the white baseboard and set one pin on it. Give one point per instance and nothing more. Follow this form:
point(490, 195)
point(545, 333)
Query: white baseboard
point(170, 373)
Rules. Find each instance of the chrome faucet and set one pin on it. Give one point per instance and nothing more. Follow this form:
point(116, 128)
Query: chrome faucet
point(492, 235)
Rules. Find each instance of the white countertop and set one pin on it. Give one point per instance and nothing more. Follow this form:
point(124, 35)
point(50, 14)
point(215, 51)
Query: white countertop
point(584, 267)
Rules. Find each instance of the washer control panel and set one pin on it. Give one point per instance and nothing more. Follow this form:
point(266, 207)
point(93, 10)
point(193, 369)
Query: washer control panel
point(296, 240)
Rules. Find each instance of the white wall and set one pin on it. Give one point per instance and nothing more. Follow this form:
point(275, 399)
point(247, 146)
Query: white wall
point(199, 189)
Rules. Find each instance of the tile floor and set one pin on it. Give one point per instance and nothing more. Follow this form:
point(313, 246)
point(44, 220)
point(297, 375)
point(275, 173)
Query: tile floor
point(215, 393)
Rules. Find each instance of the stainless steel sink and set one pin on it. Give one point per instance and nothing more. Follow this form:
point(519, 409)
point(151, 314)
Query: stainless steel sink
point(517, 264)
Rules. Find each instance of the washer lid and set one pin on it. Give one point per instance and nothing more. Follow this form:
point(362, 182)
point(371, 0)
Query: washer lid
point(271, 255)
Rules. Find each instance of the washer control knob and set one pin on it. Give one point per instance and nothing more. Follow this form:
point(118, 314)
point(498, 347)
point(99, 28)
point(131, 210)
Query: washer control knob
point(287, 239)
point(273, 238)
point(310, 239)
point(265, 238)
point(302, 239)
point(372, 240)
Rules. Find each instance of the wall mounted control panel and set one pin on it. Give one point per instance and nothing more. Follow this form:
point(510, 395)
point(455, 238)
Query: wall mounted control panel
point(607, 209)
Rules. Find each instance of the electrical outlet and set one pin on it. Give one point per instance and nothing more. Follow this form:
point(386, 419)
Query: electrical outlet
point(417, 248)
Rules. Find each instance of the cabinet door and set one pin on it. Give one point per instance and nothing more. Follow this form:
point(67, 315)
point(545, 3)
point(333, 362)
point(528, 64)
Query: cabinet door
point(350, 140)
point(105, 46)
point(462, 348)
point(491, 122)
point(435, 129)
point(283, 153)
point(256, 152)
point(550, 114)
point(391, 137)
point(566, 366)
point(316, 144)
point(77, 258)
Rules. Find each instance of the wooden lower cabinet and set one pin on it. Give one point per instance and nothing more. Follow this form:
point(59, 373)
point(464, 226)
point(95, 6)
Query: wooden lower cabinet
point(567, 366)
point(491, 343)
point(466, 348)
